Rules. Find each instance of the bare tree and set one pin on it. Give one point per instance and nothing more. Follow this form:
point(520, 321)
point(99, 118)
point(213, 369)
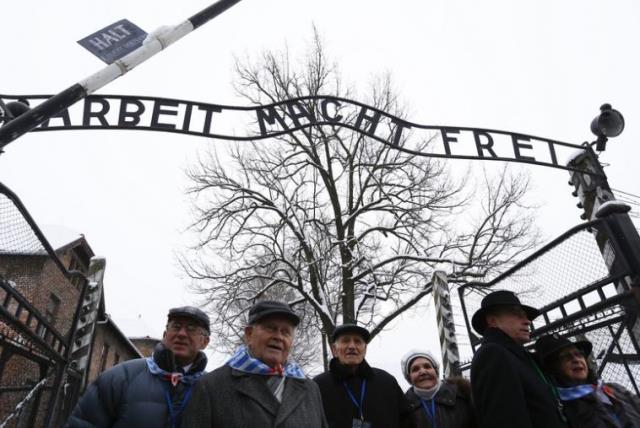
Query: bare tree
point(347, 228)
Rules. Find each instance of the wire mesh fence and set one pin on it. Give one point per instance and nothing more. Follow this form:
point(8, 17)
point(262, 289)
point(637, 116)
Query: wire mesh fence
point(569, 281)
point(36, 320)
point(16, 235)
point(616, 354)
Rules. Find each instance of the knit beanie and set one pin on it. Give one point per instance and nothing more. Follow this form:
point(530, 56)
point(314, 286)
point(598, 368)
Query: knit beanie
point(407, 359)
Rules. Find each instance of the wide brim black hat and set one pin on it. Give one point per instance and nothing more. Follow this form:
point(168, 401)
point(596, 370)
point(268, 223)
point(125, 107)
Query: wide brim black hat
point(350, 328)
point(191, 312)
point(495, 299)
point(547, 346)
point(268, 308)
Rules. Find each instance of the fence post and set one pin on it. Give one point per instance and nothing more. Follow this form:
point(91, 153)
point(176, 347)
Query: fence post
point(617, 238)
point(83, 335)
point(446, 325)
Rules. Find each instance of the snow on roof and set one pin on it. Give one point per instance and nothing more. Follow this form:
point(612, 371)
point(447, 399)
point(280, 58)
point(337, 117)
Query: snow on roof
point(59, 236)
point(17, 237)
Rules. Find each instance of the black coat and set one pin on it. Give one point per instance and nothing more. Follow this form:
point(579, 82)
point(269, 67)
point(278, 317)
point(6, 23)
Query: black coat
point(453, 408)
point(385, 406)
point(589, 412)
point(128, 395)
point(508, 388)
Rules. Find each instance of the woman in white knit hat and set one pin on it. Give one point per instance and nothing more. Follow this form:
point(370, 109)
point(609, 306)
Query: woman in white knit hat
point(435, 403)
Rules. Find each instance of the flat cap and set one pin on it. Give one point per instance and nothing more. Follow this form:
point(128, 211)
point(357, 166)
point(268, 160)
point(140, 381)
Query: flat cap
point(201, 318)
point(265, 308)
point(350, 328)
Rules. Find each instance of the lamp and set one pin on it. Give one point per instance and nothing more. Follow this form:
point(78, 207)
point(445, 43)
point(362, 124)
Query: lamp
point(13, 109)
point(609, 123)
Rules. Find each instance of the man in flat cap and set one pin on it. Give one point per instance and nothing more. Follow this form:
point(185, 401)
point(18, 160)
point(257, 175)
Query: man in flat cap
point(356, 395)
point(150, 392)
point(259, 386)
point(508, 388)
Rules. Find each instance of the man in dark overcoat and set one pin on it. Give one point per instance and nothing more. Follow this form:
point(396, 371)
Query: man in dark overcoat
point(354, 394)
point(509, 389)
point(259, 387)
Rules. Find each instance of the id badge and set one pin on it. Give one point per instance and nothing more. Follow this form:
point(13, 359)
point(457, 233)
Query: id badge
point(359, 423)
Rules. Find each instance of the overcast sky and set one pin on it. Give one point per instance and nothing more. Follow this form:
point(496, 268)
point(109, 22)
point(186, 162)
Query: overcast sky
point(541, 68)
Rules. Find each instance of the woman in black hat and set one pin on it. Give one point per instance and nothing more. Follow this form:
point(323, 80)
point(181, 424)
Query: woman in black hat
point(588, 401)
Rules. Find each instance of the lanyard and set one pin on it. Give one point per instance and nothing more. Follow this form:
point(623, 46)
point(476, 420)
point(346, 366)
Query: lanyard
point(553, 389)
point(363, 388)
point(431, 414)
point(185, 400)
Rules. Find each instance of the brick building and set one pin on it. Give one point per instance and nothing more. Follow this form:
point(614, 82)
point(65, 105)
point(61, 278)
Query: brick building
point(145, 344)
point(35, 288)
point(110, 346)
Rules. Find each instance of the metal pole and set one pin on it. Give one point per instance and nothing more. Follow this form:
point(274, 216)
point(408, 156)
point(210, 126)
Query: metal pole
point(617, 238)
point(82, 337)
point(446, 325)
point(78, 350)
point(155, 42)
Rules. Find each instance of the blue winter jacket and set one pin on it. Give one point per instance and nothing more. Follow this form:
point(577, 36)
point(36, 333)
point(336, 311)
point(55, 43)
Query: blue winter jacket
point(129, 396)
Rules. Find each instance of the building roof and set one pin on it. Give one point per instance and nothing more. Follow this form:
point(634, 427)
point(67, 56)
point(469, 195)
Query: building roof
point(112, 325)
point(20, 239)
point(60, 237)
point(149, 338)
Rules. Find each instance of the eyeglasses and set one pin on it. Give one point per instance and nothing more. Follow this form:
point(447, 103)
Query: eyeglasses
point(191, 329)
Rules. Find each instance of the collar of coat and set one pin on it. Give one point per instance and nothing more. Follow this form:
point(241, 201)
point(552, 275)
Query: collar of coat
point(446, 395)
point(495, 335)
point(165, 360)
point(341, 372)
point(254, 387)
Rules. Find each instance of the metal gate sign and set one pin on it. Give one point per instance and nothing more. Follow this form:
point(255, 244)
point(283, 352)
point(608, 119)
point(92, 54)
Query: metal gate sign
point(114, 41)
point(258, 122)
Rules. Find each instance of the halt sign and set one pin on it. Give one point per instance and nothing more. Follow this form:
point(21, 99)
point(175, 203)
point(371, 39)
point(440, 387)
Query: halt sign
point(114, 41)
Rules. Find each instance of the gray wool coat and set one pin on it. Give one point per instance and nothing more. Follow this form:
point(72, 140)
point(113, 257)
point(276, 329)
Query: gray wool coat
point(228, 398)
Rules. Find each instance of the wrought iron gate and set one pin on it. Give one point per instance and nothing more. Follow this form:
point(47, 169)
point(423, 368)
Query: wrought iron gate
point(585, 289)
point(38, 385)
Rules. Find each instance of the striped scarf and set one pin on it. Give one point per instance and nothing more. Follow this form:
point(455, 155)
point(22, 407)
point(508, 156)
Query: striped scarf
point(175, 377)
point(602, 391)
point(244, 362)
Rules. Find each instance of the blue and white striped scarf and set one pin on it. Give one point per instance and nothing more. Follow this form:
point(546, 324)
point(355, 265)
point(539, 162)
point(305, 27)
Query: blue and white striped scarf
point(244, 362)
point(600, 390)
point(174, 378)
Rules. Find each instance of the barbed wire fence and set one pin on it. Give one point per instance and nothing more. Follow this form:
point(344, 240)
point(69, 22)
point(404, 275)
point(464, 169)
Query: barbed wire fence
point(21, 406)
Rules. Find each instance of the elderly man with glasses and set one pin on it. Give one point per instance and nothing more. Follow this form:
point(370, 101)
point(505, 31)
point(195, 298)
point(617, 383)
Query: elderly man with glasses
point(150, 392)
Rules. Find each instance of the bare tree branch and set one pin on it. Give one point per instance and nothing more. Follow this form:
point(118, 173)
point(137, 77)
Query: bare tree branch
point(345, 228)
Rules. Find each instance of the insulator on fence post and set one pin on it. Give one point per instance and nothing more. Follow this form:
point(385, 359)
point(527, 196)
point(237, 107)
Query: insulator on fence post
point(446, 325)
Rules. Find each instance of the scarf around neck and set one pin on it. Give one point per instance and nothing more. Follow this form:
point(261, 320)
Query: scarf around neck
point(173, 377)
point(428, 394)
point(600, 390)
point(244, 362)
